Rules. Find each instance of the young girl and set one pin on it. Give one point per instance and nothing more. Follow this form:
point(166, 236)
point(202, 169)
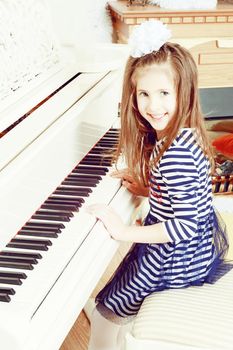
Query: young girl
point(164, 144)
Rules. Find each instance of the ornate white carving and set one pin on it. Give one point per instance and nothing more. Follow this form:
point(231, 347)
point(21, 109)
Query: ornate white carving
point(27, 45)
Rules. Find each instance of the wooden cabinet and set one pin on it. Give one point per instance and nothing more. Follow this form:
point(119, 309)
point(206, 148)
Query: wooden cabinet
point(207, 33)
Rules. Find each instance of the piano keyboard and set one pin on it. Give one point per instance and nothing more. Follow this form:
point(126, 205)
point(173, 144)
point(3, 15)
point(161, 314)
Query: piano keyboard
point(35, 240)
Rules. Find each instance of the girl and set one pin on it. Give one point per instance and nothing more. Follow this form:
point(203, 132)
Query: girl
point(165, 147)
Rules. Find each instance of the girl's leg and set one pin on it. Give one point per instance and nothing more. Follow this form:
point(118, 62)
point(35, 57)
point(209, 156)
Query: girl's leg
point(104, 333)
point(121, 335)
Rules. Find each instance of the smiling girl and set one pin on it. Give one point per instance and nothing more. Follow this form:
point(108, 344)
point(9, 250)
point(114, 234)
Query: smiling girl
point(165, 147)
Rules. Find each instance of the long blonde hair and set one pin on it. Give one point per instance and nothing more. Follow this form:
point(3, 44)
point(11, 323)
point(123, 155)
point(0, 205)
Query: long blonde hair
point(137, 137)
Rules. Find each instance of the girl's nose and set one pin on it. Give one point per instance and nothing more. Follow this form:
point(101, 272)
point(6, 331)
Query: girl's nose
point(154, 105)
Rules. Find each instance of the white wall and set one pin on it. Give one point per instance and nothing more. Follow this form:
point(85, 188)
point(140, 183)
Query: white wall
point(81, 21)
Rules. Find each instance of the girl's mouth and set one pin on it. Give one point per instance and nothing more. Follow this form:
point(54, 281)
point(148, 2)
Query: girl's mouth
point(157, 117)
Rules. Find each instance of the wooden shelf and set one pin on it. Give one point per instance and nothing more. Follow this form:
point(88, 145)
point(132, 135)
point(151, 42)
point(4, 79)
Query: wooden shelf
point(207, 33)
point(183, 23)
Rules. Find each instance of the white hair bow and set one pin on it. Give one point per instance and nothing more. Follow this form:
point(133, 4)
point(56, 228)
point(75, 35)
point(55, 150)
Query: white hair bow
point(148, 37)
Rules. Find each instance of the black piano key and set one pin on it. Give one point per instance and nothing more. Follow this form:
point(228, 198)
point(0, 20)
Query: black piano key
point(54, 213)
point(90, 170)
point(10, 280)
point(65, 200)
point(111, 133)
point(82, 179)
point(111, 136)
point(5, 297)
point(95, 162)
point(45, 217)
point(21, 254)
point(15, 265)
point(101, 149)
point(20, 275)
point(101, 152)
point(78, 183)
point(83, 182)
point(106, 143)
point(60, 207)
point(79, 189)
point(98, 151)
point(29, 246)
point(105, 146)
point(81, 192)
point(85, 177)
point(45, 224)
point(113, 130)
point(104, 156)
point(32, 241)
point(99, 157)
point(32, 261)
point(60, 201)
point(44, 229)
point(70, 194)
point(38, 234)
point(7, 290)
point(93, 168)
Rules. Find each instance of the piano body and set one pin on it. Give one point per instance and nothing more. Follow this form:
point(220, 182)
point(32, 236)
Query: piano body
point(53, 123)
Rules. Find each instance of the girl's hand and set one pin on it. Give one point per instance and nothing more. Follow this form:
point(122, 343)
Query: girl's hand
point(129, 183)
point(111, 220)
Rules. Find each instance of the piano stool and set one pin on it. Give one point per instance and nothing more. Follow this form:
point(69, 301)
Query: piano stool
point(185, 319)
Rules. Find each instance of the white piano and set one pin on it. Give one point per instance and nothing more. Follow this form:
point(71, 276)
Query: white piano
point(54, 124)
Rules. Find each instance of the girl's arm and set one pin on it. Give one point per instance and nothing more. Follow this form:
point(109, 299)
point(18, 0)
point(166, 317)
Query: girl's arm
point(119, 231)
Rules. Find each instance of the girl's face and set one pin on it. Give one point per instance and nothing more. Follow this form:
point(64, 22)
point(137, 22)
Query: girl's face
point(156, 96)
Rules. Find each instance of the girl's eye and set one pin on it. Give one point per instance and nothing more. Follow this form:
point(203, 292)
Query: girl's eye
point(143, 94)
point(164, 93)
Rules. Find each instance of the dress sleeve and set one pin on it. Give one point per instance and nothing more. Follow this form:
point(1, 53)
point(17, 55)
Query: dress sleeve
point(180, 176)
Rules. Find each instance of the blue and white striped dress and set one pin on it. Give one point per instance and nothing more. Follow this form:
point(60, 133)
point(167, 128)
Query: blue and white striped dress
point(181, 198)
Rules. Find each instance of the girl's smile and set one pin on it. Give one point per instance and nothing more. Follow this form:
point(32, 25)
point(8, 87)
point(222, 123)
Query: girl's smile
point(156, 96)
point(156, 117)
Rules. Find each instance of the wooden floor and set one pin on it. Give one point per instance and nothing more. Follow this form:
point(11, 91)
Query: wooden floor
point(78, 337)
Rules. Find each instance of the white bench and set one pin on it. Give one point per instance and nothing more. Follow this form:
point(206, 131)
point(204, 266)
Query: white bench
point(185, 319)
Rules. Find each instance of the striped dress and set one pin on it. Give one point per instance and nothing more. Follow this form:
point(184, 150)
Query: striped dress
point(180, 198)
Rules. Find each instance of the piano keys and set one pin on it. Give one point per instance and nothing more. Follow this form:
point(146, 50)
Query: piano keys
point(81, 186)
